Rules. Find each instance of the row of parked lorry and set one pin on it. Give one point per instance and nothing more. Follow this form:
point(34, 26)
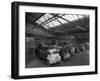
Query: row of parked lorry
point(54, 54)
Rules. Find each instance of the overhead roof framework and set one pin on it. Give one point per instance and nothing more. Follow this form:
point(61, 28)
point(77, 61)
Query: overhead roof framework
point(52, 20)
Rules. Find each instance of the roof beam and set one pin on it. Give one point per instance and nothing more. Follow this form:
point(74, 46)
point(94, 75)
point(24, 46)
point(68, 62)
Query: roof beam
point(78, 19)
point(73, 23)
point(84, 20)
point(46, 20)
point(34, 22)
point(74, 17)
point(80, 27)
point(59, 21)
point(69, 17)
point(50, 19)
point(47, 24)
point(65, 19)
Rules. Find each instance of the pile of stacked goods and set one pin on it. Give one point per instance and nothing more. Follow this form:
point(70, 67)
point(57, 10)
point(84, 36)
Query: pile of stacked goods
point(50, 54)
point(54, 54)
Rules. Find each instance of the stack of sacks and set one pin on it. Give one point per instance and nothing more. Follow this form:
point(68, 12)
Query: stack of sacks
point(53, 58)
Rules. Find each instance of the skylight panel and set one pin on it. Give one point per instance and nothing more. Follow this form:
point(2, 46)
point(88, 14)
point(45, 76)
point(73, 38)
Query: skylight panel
point(71, 17)
point(62, 20)
point(42, 19)
point(50, 24)
point(45, 17)
point(67, 18)
point(75, 16)
point(48, 21)
point(49, 15)
point(55, 22)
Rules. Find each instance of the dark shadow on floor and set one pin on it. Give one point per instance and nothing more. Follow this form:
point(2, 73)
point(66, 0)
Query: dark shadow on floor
point(81, 58)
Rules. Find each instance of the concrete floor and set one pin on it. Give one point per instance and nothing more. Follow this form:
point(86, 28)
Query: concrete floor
point(81, 58)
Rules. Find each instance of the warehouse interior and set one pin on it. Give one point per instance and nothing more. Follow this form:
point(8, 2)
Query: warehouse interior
point(56, 39)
